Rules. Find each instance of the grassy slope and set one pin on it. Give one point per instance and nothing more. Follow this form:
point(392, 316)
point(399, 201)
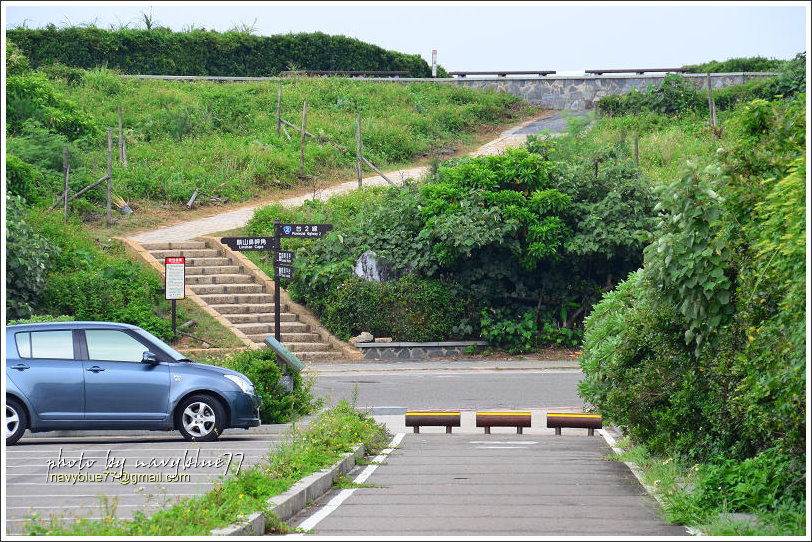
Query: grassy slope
point(221, 138)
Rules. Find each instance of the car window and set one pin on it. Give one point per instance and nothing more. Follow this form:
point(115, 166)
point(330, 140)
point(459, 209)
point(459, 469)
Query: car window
point(45, 344)
point(113, 345)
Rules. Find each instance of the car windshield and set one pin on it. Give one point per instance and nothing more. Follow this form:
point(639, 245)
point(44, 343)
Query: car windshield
point(177, 356)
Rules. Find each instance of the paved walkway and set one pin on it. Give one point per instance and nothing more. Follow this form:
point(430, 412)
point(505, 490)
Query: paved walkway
point(513, 137)
point(471, 484)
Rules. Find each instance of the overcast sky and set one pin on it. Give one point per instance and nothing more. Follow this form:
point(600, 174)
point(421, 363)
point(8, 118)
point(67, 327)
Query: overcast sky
point(561, 36)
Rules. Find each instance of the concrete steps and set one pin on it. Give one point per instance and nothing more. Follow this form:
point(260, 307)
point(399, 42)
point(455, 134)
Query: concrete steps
point(230, 290)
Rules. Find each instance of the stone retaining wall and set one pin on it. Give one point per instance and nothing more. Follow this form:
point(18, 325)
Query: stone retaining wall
point(579, 93)
point(409, 350)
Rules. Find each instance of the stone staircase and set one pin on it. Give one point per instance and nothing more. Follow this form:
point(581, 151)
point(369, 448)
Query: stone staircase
point(227, 287)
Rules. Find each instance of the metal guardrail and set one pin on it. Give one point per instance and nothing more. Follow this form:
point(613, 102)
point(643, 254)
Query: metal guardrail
point(640, 71)
point(351, 73)
point(504, 73)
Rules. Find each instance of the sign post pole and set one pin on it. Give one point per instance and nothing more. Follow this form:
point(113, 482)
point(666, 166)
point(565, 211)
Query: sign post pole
point(277, 327)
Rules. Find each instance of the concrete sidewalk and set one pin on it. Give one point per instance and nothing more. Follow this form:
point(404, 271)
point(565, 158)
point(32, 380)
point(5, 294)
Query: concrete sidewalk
point(495, 485)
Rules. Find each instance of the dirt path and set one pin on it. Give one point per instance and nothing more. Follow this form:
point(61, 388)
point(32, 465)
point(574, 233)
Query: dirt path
point(230, 220)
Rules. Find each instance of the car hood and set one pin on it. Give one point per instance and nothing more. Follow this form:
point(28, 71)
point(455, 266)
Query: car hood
point(213, 369)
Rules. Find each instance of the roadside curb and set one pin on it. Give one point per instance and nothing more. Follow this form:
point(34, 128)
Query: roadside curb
point(295, 499)
point(637, 472)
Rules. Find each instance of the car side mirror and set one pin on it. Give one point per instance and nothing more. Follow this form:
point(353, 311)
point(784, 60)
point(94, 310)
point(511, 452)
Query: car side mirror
point(150, 358)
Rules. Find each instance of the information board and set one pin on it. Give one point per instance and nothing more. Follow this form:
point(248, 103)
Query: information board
point(175, 281)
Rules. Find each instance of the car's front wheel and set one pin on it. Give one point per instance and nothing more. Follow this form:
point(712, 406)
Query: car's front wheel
point(16, 420)
point(200, 418)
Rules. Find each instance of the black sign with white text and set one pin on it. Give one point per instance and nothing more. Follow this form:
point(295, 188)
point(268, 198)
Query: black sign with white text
point(249, 243)
point(284, 257)
point(283, 272)
point(304, 230)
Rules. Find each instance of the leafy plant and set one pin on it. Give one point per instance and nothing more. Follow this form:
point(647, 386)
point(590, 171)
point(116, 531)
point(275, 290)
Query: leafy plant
point(278, 404)
point(29, 258)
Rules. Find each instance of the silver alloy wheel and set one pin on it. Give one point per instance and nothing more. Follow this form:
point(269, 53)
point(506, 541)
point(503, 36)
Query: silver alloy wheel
point(12, 420)
point(199, 419)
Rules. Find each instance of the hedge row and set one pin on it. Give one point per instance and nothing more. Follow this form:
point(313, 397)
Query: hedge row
point(201, 52)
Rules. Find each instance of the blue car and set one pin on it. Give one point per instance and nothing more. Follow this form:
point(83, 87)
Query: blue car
point(101, 375)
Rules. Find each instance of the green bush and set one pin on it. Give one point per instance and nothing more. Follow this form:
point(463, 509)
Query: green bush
point(117, 290)
point(741, 64)
point(757, 483)
point(408, 309)
point(278, 404)
point(32, 96)
point(514, 232)
point(24, 180)
point(29, 258)
point(701, 354)
point(515, 335)
point(200, 52)
point(677, 94)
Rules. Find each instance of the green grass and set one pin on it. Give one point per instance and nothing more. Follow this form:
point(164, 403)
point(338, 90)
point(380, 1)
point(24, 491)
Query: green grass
point(221, 137)
point(332, 433)
point(678, 486)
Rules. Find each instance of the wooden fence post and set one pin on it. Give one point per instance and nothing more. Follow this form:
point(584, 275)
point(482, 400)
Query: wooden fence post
point(711, 103)
point(358, 166)
point(279, 110)
point(304, 139)
point(109, 174)
point(121, 158)
point(66, 169)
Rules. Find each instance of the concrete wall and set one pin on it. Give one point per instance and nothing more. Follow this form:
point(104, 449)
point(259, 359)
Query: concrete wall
point(579, 93)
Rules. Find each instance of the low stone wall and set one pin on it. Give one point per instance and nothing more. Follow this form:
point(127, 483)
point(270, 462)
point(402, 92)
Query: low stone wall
point(410, 350)
point(579, 93)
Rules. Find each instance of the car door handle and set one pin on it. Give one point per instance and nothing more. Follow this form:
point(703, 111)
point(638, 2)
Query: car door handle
point(95, 369)
point(21, 367)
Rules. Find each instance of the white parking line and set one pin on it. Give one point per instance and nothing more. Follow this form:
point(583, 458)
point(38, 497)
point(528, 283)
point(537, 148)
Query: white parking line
point(336, 501)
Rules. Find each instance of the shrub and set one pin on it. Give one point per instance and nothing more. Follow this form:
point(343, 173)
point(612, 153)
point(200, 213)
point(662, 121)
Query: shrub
point(32, 96)
point(278, 404)
point(29, 258)
point(24, 180)
point(408, 309)
point(702, 353)
point(116, 290)
point(201, 52)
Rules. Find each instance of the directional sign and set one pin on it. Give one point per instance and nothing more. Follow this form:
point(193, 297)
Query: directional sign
point(249, 243)
point(175, 277)
point(284, 257)
point(283, 272)
point(286, 355)
point(304, 230)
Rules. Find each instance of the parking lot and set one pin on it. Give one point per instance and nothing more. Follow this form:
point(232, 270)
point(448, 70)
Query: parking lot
point(79, 476)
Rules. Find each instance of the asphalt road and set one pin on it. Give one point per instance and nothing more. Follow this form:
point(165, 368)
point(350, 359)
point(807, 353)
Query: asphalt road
point(70, 477)
point(384, 392)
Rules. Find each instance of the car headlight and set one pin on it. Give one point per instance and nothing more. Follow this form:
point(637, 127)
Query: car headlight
point(244, 384)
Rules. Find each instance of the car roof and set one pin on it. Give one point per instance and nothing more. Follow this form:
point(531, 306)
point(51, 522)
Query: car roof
point(69, 325)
